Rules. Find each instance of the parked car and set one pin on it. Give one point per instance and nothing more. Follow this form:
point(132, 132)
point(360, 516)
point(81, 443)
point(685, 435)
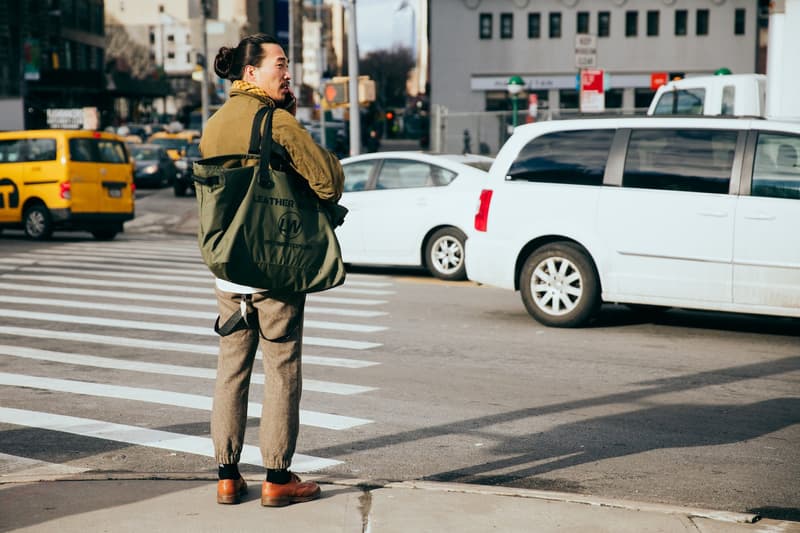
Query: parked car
point(697, 213)
point(153, 167)
point(183, 180)
point(64, 180)
point(174, 143)
point(411, 209)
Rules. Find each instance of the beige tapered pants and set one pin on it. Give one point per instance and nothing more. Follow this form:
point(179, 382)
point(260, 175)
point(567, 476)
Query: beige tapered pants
point(279, 332)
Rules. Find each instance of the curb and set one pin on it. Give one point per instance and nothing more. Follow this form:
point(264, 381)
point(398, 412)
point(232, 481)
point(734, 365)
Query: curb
point(462, 488)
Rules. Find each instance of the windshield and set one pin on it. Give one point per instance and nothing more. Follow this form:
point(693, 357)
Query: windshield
point(144, 154)
point(171, 144)
point(193, 150)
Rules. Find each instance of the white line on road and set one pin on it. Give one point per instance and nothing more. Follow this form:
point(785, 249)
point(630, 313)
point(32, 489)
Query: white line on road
point(163, 311)
point(162, 397)
point(313, 385)
point(340, 362)
point(210, 302)
point(153, 438)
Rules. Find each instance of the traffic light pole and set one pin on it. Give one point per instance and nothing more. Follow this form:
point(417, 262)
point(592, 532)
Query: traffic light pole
point(204, 81)
point(352, 72)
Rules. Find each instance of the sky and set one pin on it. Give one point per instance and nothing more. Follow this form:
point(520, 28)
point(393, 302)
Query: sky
point(381, 26)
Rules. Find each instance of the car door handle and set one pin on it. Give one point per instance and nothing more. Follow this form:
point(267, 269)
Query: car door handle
point(760, 217)
point(717, 214)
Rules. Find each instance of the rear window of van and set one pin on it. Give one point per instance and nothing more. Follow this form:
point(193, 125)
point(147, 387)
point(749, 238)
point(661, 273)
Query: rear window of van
point(97, 151)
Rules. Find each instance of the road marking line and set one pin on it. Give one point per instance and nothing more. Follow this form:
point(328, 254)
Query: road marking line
point(329, 387)
point(162, 397)
point(319, 360)
point(169, 328)
point(210, 302)
point(319, 324)
point(153, 438)
point(127, 260)
point(156, 286)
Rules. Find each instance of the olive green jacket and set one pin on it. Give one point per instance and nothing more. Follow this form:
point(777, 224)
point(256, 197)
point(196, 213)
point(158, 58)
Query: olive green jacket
point(227, 132)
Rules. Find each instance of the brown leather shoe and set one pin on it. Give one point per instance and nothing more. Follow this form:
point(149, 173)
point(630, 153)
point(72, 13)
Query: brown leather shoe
point(295, 491)
point(230, 491)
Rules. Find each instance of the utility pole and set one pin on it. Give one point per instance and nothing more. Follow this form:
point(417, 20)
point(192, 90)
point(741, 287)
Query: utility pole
point(204, 81)
point(352, 73)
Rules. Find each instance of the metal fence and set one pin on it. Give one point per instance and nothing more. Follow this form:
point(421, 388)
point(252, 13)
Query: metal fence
point(485, 132)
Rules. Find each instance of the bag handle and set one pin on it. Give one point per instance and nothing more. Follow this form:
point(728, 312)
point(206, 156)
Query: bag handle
point(255, 132)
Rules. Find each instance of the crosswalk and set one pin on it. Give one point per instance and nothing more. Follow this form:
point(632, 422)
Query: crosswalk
point(122, 310)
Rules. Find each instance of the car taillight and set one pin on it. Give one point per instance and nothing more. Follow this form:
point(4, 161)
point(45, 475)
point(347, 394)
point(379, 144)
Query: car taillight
point(482, 215)
point(65, 190)
point(133, 188)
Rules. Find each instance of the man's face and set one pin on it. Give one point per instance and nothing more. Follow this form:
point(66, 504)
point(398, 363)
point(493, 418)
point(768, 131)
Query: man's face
point(273, 74)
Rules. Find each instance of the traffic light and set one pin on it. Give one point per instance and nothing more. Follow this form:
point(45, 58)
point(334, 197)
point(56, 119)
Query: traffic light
point(336, 92)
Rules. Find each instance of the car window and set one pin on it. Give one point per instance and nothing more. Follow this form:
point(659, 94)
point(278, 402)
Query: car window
point(193, 150)
point(406, 174)
point(97, 151)
point(11, 151)
point(681, 102)
point(728, 99)
point(575, 157)
point(680, 160)
point(356, 175)
point(170, 144)
point(143, 154)
point(41, 150)
point(776, 169)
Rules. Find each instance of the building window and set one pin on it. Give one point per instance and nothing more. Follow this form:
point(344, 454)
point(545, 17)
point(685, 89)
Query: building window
point(603, 24)
point(652, 23)
point(631, 23)
point(681, 16)
point(506, 25)
point(161, 8)
point(534, 25)
point(555, 25)
point(170, 55)
point(152, 37)
point(188, 57)
point(738, 22)
point(170, 38)
point(583, 22)
point(486, 25)
point(701, 24)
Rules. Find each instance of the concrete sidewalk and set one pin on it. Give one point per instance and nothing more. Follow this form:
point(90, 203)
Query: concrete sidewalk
point(174, 503)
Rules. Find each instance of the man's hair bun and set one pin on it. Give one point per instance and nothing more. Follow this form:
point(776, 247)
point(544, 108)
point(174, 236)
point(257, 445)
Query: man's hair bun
point(223, 62)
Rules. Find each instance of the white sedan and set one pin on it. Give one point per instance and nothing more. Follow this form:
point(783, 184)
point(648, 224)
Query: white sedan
point(410, 209)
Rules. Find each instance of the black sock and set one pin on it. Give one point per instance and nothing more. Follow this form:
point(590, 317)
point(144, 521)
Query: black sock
point(229, 471)
point(281, 477)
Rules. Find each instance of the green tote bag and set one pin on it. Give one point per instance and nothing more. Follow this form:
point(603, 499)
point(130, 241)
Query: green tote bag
point(261, 225)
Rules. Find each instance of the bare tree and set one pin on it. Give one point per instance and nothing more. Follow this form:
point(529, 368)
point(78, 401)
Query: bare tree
point(389, 68)
point(128, 53)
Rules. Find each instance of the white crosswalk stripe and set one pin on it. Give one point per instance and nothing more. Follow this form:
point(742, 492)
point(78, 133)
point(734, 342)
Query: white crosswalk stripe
point(175, 291)
point(164, 369)
point(165, 345)
point(152, 438)
point(163, 311)
point(175, 399)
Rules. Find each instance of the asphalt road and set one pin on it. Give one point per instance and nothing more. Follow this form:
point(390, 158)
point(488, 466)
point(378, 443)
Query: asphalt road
point(407, 377)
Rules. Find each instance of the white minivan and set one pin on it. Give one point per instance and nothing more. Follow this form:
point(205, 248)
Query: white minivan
point(690, 212)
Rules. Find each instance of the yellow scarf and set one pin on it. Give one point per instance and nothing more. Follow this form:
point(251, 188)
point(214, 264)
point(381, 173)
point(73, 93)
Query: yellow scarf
point(251, 88)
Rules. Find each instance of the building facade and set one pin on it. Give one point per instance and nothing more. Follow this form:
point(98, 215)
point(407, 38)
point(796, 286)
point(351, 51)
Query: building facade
point(52, 64)
point(477, 45)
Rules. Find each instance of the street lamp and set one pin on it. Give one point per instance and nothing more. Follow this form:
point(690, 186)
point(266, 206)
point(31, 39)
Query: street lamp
point(514, 87)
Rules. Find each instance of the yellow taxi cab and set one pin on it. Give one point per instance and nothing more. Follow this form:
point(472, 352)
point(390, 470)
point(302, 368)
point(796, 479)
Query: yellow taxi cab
point(65, 180)
point(174, 142)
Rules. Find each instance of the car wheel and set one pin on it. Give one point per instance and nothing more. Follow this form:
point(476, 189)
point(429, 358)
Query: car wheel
point(38, 223)
point(559, 285)
point(179, 189)
point(444, 254)
point(104, 234)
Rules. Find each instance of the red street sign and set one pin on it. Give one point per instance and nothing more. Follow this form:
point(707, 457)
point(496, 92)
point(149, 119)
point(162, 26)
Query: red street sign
point(657, 79)
point(592, 80)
